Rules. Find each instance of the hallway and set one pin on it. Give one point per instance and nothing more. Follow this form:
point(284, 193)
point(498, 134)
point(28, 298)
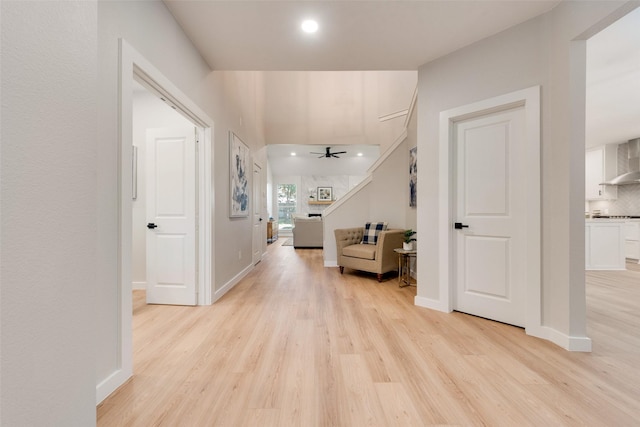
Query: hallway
point(298, 344)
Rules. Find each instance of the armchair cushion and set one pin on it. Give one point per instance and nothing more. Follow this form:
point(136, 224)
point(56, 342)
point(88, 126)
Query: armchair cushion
point(360, 251)
point(371, 232)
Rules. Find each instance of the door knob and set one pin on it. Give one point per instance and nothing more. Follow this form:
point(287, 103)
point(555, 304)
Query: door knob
point(460, 226)
point(151, 225)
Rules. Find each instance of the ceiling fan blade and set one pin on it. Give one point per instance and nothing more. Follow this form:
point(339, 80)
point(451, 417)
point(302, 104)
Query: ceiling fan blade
point(340, 152)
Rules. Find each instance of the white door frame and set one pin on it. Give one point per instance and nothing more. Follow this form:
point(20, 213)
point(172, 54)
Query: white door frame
point(256, 252)
point(529, 99)
point(132, 63)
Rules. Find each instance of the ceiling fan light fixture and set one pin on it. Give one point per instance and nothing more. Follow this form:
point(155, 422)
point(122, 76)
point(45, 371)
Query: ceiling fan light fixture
point(328, 154)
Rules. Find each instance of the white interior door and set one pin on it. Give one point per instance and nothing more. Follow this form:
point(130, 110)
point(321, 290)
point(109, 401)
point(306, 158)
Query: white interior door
point(490, 249)
point(258, 235)
point(171, 216)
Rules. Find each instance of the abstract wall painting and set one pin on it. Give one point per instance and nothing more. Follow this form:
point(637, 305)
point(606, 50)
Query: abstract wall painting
point(239, 178)
point(413, 176)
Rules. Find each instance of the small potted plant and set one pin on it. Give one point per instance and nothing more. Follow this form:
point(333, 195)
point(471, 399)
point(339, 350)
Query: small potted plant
point(407, 245)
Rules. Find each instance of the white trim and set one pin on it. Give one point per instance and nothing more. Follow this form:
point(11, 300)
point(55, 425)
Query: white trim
point(530, 99)
point(133, 63)
point(231, 283)
point(433, 304)
point(331, 263)
point(205, 209)
point(567, 342)
point(139, 285)
point(393, 115)
point(412, 106)
point(110, 384)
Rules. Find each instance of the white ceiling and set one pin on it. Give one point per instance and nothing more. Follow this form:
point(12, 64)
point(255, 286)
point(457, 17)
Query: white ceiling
point(354, 35)
point(305, 163)
point(402, 35)
point(613, 83)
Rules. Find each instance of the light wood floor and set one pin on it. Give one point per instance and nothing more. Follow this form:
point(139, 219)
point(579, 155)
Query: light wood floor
point(296, 344)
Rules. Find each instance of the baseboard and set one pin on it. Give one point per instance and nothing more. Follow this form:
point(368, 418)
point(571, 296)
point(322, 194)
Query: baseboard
point(431, 304)
point(331, 263)
point(111, 384)
point(581, 344)
point(231, 283)
point(139, 285)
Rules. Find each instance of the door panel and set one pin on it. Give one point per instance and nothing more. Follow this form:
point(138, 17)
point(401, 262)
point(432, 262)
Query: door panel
point(486, 169)
point(487, 269)
point(171, 206)
point(490, 254)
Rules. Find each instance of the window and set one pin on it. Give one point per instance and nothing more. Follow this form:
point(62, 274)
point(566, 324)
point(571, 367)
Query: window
point(287, 199)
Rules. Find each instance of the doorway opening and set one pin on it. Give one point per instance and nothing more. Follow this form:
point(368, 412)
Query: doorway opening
point(611, 96)
point(133, 66)
point(171, 281)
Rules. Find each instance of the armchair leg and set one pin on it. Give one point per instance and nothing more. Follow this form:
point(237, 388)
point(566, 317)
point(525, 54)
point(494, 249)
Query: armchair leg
point(341, 269)
point(379, 277)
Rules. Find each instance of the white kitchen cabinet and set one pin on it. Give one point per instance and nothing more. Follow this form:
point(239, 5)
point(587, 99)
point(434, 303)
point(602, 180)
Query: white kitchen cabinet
point(601, 164)
point(605, 245)
point(632, 239)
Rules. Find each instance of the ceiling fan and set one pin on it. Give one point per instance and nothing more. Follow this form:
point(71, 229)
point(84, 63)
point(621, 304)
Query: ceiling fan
point(329, 154)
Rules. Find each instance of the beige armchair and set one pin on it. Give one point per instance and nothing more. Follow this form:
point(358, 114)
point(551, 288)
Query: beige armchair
point(379, 258)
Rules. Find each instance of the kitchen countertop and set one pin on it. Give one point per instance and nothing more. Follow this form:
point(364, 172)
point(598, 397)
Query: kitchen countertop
point(621, 220)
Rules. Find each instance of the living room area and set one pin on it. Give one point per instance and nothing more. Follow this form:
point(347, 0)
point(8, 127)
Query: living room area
point(305, 184)
point(328, 132)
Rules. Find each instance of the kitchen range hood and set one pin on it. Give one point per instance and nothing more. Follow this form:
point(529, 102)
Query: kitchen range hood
point(633, 176)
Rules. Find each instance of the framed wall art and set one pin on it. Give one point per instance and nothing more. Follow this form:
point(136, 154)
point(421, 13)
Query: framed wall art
point(325, 194)
point(413, 177)
point(238, 177)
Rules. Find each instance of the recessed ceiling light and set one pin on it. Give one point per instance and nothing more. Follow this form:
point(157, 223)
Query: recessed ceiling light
point(309, 26)
point(359, 154)
point(293, 154)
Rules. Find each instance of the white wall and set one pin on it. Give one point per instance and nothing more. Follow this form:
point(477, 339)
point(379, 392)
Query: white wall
point(49, 192)
point(329, 107)
point(148, 112)
point(411, 220)
point(232, 99)
point(236, 99)
point(613, 83)
point(537, 52)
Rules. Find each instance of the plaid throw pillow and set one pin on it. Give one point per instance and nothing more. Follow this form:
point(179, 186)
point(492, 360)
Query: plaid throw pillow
point(371, 231)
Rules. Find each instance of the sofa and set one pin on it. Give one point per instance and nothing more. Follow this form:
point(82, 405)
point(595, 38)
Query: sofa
point(378, 258)
point(307, 232)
